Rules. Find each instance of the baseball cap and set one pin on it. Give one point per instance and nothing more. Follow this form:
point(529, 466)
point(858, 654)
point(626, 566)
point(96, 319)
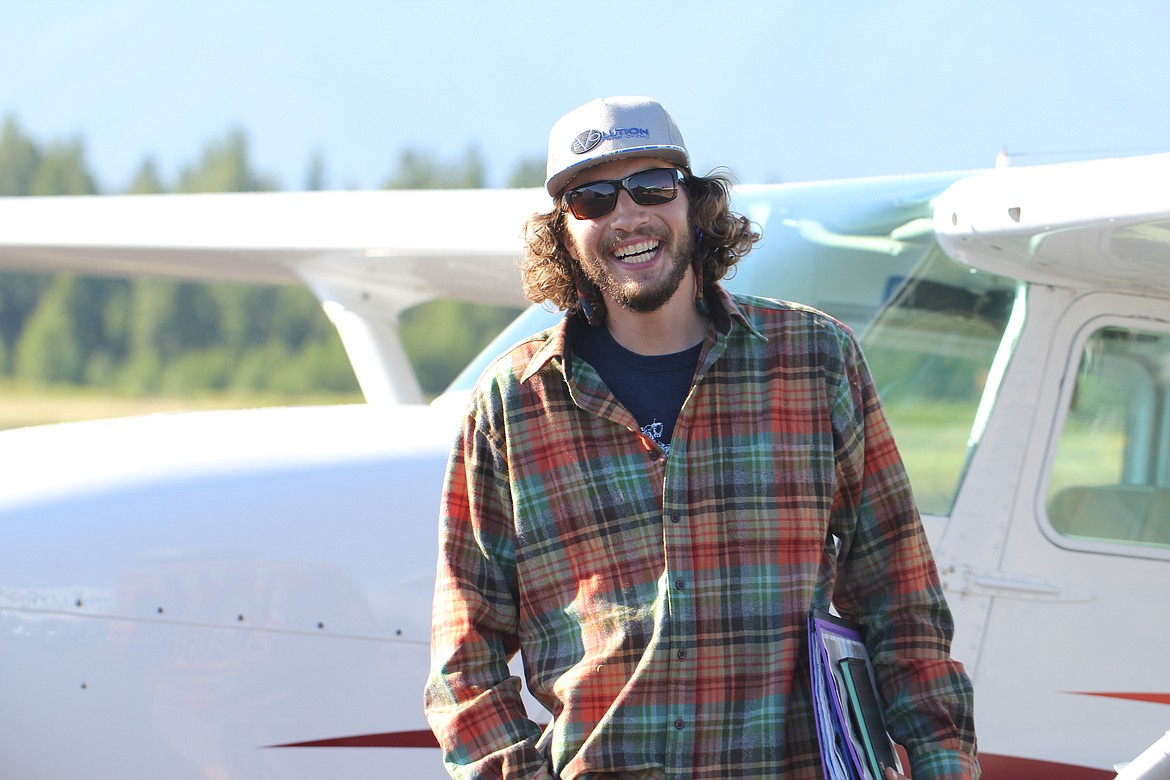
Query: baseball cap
point(608, 128)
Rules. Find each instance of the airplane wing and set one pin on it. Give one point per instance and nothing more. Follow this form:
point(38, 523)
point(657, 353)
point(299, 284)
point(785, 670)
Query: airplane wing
point(367, 256)
point(1097, 224)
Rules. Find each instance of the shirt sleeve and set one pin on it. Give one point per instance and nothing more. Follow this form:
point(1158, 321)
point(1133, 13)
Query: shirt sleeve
point(888, 582)
point(472, 701)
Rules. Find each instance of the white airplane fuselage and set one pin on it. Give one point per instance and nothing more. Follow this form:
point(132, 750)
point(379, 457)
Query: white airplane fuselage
point(246, 594)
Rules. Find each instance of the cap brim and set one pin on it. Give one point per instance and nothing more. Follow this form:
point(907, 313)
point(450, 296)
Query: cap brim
point(675, 155)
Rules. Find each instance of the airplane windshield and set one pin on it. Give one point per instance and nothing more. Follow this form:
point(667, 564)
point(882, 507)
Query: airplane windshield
point(936, 351)
point(865, 253)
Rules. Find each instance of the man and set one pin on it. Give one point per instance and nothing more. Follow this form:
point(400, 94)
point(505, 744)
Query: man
point(648, 499)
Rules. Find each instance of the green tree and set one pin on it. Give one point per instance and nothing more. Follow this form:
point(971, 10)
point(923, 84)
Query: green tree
point(441, 337)
point(315, 177)
point(20, 294)
point(147, 341)
point(19, 159)
point(421, 171)
point(225, 167)
point(49, 350)
point(62, 170)
point(110, 330)
point(147, 180)
point(25, 169)
point(528, 172)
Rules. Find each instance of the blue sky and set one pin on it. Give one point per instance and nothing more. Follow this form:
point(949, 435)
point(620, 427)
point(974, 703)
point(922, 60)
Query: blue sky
point(776, 91)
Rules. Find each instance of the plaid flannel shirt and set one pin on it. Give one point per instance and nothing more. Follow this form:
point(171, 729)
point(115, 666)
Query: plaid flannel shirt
point(661, 603)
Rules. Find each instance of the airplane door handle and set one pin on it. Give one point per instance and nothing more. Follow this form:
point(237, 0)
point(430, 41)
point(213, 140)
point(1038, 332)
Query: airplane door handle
point(1004, 584)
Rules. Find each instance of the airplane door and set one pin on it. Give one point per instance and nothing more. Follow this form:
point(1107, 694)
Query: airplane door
point(1071, 657)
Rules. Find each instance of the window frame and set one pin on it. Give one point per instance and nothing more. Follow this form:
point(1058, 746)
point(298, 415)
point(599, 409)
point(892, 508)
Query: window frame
point(1084, 333)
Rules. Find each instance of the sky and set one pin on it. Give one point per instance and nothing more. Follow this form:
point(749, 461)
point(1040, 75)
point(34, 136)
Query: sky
point(775, 91)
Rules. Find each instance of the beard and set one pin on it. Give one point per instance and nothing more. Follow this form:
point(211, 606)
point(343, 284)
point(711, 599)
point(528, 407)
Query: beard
point(631, 294)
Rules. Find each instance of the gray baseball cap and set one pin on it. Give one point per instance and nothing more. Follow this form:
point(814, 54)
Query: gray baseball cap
point(608, 128)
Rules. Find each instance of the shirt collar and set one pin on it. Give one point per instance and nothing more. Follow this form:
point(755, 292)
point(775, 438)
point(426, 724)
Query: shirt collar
point(724, 311)
point(556, 345)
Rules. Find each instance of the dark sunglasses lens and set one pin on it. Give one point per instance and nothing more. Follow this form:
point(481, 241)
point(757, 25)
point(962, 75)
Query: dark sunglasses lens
point(649, 188)
point(592, 200)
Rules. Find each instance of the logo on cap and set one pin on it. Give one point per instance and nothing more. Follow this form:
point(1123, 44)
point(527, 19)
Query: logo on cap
point(585, 141)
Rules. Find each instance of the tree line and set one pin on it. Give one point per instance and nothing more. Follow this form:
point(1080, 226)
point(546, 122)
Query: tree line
point(158, 337)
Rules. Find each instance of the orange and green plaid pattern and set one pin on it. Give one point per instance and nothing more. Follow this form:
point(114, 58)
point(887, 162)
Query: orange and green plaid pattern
point(661, 603)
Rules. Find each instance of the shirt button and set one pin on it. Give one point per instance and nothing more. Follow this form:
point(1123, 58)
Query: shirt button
point(674, 518)
point(680, 584)
point(654, 454)
point(680, 724)
point(682, 653)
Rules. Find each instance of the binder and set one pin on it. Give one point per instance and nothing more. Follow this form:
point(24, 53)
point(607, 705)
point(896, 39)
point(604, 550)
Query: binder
point(850, 726)
point(866, 715)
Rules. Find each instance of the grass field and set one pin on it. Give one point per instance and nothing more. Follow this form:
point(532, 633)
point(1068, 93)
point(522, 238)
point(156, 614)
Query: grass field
point(22, 405)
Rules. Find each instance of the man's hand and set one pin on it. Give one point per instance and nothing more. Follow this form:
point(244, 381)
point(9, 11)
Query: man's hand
point(892, 774)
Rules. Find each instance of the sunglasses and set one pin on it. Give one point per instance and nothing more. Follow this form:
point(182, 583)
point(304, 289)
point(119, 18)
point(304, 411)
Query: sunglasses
point(647, 188)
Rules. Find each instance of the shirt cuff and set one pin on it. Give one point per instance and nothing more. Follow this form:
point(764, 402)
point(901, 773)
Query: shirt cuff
point(944, 765)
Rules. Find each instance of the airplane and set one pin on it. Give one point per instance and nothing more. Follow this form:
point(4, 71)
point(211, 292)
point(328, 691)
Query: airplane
point(245, 594)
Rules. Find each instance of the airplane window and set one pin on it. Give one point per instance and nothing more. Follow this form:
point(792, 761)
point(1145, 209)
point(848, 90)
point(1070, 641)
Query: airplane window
point(1111, 477)
point(931, 349)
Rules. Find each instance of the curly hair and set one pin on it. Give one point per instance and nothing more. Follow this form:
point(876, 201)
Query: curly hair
point(722, 237)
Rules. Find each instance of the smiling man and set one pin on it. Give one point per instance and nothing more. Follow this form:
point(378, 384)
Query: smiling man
point(647, 500)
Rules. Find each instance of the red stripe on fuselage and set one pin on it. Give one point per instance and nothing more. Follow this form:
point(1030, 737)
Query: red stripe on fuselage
point(1014, 768)
point(1153, 698)
point(391, 739)
point(994, 767)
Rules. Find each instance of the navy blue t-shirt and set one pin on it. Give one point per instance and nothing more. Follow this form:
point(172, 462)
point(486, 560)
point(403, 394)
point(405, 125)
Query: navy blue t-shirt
point(651, 387)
